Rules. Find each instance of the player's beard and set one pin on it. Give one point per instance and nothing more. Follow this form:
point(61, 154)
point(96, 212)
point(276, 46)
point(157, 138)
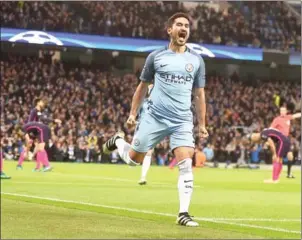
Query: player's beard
point(181, 42)
point(178, 42)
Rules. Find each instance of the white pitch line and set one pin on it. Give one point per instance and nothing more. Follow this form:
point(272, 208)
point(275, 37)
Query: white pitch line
point(152, 213)
point(118, 179)
point(254, 226)
point(62, 183)
point(80, 184)
point(259, 219)
point(210, 218)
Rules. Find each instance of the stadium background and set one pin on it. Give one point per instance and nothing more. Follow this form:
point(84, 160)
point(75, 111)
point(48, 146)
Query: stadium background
point(251, 51)
point(85, 59)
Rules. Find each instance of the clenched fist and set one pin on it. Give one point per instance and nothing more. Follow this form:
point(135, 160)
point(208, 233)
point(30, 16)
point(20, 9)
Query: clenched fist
point(203, 133)
point(131, 121)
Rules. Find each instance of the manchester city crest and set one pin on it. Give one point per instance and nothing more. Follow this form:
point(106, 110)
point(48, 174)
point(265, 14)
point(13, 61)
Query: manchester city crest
point(189, 67)
point(136, 142)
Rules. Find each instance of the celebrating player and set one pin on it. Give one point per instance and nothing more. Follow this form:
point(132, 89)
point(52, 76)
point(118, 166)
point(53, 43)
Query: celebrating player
point(276, 136)
point(176, 71)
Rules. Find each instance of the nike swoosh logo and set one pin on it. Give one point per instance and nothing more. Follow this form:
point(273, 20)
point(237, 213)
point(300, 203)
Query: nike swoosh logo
point(163, 65)
point(187, 181)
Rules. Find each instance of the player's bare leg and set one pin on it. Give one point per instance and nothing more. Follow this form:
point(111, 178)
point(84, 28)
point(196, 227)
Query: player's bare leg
point(38, 160)
point(127, 154)
point(183, 157)
point(24, 153)
point(145, 167)
point(277, 161)
point(42, 157)
point(277, 168)
point(125, 151)
point(22, 157)
point(290, 158)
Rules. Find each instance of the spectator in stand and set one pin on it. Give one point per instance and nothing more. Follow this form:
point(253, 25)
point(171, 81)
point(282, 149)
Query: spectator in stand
point(71, 150)
point(199, 158)
point(231, 152)
point(92, 141)
point(96, 156)
point(80, 149)
point(209, 152)
point(274, 24)
point(255, 153)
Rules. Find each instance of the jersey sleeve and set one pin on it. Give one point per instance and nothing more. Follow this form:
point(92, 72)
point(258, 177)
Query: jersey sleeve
point(289, 116)
point(148, 71)
point(200, 76)
point(33, 115)
point(274, 123)
point(46, 119)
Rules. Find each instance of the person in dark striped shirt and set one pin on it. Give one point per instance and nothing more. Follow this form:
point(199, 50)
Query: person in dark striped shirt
point(36, 113)
point(37, 128)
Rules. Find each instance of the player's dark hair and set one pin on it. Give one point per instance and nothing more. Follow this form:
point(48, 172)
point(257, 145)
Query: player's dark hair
point(175, 16)
point(37, 100)
point(290, 107)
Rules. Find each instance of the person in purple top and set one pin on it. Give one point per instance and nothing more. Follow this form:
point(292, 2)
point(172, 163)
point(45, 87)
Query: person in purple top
point(36, 113)
point(35, 128)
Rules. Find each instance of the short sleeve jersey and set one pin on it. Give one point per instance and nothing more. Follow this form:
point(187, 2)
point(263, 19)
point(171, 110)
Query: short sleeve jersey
point(175, 75)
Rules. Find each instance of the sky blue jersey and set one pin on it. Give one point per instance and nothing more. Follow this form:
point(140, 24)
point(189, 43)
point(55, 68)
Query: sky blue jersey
point(175, 75)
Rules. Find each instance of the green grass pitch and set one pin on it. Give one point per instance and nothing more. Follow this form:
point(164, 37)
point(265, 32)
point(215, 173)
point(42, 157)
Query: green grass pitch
point(104, 201)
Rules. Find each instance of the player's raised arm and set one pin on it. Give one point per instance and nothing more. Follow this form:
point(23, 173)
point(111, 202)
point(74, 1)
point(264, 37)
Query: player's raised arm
point(200, 100)
point(296, 115)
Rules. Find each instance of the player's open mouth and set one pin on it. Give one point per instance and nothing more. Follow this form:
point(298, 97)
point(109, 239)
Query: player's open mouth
point(182, 35)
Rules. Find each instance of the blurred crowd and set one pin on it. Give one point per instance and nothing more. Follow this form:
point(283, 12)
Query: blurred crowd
point(276, 26)
point(236, 107)
point(93, 104)
point(252, 24)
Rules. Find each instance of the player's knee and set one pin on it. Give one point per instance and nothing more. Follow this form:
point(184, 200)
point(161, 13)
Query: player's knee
point(149, 153)
point(40, 146)
point(254, 137)
point(185, 166)
point(183, 153)
point(136, 156)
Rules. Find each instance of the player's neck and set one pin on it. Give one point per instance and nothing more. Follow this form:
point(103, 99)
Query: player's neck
point(38, 108)
point(176, 48)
